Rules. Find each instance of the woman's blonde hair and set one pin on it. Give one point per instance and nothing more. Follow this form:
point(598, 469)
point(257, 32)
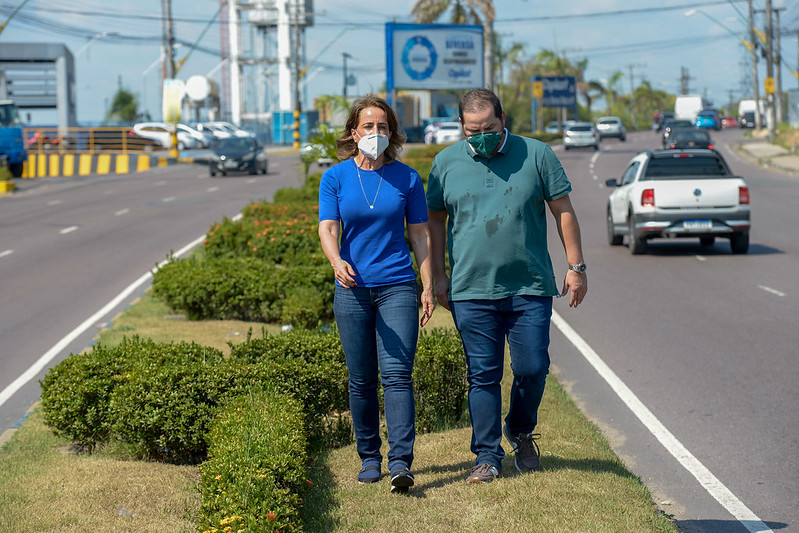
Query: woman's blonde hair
point(347, 147)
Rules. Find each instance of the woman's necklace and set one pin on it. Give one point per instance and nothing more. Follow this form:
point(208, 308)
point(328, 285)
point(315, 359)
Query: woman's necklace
point(371, 205)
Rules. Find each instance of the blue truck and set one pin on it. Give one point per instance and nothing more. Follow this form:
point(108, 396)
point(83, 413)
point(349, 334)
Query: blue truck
point(12, 144)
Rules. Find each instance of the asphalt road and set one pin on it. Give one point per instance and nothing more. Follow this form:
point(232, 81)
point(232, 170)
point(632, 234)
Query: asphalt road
point(707, 341)
point(69, 246)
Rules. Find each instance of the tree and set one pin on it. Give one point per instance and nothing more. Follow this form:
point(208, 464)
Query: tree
point(502, 56)
point(463, 12)
point(124, 107)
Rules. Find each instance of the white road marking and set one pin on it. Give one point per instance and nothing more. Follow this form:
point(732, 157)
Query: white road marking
point(213, 189)
point(122, 212)
point(55, 202)
point(709, 482)
point(772, 291)
point(701, 258)
point(251, 180)
point(6, 252)
point(168, 199)
point(162, 182)
point(68, 230)
point(48, 356)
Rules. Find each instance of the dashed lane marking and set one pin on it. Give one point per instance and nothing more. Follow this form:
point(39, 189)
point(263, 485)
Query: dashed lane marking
point(68, 230)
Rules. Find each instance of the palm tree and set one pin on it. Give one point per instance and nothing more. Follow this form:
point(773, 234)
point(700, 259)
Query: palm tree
point(502, 56)
point(463, 12)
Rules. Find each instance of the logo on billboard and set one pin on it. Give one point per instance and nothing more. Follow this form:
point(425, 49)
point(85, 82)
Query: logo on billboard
point(419, 57)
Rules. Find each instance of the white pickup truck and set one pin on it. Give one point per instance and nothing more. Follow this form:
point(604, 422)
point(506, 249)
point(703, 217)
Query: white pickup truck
point(678, 193)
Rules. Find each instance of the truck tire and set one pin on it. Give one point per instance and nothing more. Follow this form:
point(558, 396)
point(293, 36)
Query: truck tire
point(636, 243)
point(613, 238)
point(15, 169)
point(739, 243)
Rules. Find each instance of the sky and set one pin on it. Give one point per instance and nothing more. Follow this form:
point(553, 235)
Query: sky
point(651, 40)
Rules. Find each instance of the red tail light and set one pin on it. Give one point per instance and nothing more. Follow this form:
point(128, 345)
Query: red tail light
point(709, 146)
point(648, 197)
point(743, 195)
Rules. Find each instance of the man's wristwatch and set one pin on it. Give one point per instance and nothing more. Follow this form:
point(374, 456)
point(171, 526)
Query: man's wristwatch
point(579, 267)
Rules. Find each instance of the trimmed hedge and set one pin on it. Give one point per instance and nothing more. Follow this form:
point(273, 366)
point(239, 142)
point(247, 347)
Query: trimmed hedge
point(246, 288)
point(439, 380)
point(255, 474)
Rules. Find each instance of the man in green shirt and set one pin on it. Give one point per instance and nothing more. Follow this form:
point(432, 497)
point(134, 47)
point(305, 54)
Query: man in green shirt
point(487, 198)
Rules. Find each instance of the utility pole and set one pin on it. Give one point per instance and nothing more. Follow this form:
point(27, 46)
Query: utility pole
point(758, 118)
point(346, 56)
point(169, 41)
point(772, 120)
point(778, 63)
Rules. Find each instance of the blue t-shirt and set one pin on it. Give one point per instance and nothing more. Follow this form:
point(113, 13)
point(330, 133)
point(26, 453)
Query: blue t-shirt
point(373, 239)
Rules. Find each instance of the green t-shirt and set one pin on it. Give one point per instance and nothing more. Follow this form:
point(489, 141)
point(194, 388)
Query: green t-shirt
point(496, 229)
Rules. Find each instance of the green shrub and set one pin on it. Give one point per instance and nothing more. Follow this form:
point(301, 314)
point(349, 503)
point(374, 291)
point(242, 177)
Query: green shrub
point(76, 392)
point(439, 380)
point(244, 288)
point(164, 405)
point(255, 474)
point(309, 366)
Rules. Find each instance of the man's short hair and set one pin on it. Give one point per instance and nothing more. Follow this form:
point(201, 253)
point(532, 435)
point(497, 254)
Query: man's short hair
point(477, 100)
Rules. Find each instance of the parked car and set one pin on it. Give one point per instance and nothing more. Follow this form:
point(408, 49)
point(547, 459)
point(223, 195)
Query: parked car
point(161, 132)
point(313, 152)
point(708, 118)
point(689, 138)
point(204, 138)
point(448, 133)
point(238, 154)
point(581, 134)
point(673, 124)
point(611, 127)
point(222, 129)
point(686, 193)
point(729, 121)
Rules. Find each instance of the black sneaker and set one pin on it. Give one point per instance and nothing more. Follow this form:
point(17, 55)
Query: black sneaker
point(527, 455)
point(483, 473)
point(401, 480)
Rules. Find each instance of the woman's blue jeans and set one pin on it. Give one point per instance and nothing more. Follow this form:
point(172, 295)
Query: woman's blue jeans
point(379, 327)
point(483, 326)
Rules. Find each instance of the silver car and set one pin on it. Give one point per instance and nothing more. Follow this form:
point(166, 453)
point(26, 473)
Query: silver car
point(581, 134)
point(611, 127)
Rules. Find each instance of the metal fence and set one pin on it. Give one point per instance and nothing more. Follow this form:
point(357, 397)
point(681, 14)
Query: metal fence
point(49, 140)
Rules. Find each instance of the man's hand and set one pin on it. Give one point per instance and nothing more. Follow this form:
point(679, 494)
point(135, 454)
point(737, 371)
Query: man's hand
point(577, 283)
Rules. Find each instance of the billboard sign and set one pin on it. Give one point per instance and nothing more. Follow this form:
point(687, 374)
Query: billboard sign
point(434, 56)
point(558, 91)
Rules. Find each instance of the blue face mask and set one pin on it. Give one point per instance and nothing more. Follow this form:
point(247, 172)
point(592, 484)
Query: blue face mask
point(486, 142)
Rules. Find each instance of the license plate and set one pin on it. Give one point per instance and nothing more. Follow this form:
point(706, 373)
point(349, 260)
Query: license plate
point(697, 225)
point(231, 164)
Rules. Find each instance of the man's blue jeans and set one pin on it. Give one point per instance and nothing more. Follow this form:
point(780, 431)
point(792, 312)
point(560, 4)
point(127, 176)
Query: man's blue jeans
point(483, 326)
point(379, 327)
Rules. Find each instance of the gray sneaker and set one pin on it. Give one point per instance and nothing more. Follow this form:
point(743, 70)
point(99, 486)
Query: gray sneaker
point(527, 455)
point(483, 473)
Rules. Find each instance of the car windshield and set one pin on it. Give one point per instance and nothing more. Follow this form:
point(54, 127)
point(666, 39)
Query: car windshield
point(685, 166)
point(235, 143)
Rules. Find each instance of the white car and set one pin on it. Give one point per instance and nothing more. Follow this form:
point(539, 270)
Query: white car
point(223, 130)
point(580, 134)
point(160, 132)
point(204, 139)
point(448, 133)
point(678, 193)
point(611, 127)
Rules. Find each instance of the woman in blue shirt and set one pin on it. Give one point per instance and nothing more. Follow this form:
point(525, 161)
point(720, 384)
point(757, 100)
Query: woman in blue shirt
point(365, 204)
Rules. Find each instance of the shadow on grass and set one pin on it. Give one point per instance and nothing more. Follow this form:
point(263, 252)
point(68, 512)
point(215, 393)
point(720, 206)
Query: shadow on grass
point(319, 502)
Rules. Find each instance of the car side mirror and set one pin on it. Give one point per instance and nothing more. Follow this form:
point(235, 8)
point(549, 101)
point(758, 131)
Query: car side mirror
point(612, 183)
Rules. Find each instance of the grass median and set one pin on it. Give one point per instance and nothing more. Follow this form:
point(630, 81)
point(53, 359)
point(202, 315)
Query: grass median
point(50, 487)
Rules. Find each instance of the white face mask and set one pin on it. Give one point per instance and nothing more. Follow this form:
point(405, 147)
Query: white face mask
point(373, 145)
